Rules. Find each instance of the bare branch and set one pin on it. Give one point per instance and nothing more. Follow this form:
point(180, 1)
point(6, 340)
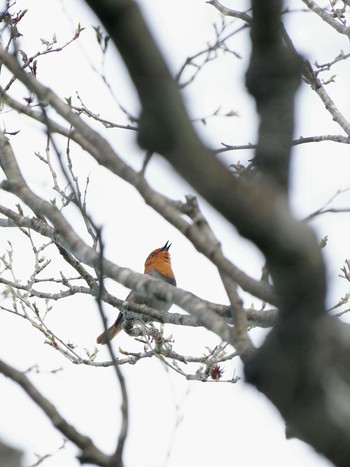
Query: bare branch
point(295, 142)
point(89, 452)
point(328, 18)
point(311, 78)
point(228, 12)
point(240, 337)
point(327, 66)
point(325, 209)
point(329, 104)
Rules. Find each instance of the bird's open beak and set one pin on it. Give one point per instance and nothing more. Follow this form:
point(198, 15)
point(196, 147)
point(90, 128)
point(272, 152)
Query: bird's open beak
point(166, 246)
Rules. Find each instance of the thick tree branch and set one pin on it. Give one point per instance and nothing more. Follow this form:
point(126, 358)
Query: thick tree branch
point(296, 345)
point(273, 89)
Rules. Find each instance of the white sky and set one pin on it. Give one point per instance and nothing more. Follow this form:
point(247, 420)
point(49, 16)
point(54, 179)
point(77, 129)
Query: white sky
point(206, 424)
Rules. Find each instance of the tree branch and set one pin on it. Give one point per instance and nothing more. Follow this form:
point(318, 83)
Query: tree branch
point(339, 27)
point(89, 452)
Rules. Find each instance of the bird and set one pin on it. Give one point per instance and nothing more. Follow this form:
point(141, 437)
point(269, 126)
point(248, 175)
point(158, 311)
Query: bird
point(157, 265)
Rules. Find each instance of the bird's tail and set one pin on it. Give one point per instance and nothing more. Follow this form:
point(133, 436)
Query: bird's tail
point(108, 335)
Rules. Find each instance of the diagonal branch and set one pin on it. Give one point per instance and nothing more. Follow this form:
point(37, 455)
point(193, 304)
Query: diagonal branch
point(328, 18)
point(89, 452)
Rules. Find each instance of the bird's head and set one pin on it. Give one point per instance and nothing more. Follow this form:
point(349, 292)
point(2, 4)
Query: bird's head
point(159, 260)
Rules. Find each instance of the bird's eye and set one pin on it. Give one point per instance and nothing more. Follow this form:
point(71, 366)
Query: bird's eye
point(152, 254)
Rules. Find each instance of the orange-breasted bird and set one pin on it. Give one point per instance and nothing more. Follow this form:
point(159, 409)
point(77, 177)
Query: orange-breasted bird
point(158, 265)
